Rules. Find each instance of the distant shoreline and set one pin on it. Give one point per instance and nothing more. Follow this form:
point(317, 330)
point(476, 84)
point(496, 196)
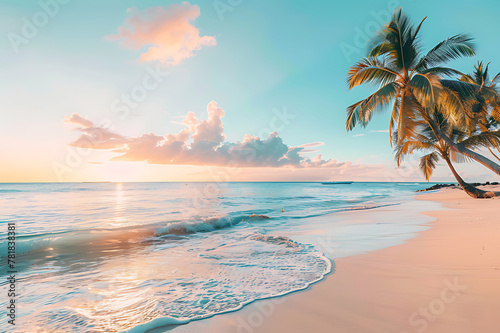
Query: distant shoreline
point(229, 182)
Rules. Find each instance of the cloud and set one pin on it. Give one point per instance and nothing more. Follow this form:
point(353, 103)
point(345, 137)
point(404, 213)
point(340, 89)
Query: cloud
point(167, 32)
point(76, 119)
point(380, 131)
point(376, 131)
point(306, 147)
point(312, 144)
point(303, 151)
point(200, 142)
point(95, 137)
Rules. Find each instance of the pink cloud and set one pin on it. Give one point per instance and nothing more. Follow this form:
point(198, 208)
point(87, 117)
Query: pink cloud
point(200, 142)
point(318, 162)
point(312, 144)
point(167, 32)
point(95, 137)
point(76, 119)
point(303, 151)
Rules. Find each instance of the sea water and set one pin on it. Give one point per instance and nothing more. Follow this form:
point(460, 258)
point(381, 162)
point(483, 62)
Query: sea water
point(117, 257)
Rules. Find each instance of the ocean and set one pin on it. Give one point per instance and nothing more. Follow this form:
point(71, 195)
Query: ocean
point(127, 257)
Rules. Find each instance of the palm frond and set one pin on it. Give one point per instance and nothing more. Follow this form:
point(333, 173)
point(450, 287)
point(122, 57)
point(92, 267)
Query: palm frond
point(364, 110)
point(495, 114)
point(485, 139)
point(425, 88)
point(428, 164)
point(486, 79)
point(465, 90)
point(494, 80)
point(352, 116)
point(394, 116)
point(402, 35)
point(467, 78)
point(451, 105)
point(459, 158)
point(490, 95)
point(381, 49)
point(452, 48)
point(409, 116)
point(408, 147)
point(370, 70)
point(477, 74)
point(442, 71)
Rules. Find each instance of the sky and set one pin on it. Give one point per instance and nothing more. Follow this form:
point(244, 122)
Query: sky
point(224, 90)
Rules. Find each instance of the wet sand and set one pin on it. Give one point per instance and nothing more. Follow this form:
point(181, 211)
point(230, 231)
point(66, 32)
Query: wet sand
point(447, 279)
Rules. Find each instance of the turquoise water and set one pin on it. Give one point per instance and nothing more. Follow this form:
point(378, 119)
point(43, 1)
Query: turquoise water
point(117, 257)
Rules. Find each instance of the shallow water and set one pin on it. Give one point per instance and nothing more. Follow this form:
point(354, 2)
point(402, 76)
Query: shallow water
point(111, 257)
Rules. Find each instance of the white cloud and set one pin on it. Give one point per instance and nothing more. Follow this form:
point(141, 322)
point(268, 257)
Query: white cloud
point(380, 131)
point(376, 131)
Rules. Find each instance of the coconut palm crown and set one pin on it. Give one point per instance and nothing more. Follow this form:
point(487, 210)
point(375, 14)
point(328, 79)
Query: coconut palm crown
point(415, 84)
point(424, 140)
point(396, 64)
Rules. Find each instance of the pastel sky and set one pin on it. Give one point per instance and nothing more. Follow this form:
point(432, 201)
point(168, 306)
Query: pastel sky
point(218, 90)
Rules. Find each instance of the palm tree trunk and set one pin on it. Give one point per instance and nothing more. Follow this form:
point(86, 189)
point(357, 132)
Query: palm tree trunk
point(468, 188)
point(465, 151)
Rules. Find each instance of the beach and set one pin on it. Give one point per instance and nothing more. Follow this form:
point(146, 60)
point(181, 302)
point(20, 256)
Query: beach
point(146, 255)
point(250, 167)
point(446, 279)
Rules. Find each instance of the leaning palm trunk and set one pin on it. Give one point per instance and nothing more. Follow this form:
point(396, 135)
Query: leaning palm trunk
point(467, 152)
point(468, 188)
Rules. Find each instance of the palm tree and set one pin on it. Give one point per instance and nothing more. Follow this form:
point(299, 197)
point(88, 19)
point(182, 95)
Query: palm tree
point(412, 83)
point(425, 140)
point(484, 112)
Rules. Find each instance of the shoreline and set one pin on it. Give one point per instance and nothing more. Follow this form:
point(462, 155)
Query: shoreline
point(445, 279)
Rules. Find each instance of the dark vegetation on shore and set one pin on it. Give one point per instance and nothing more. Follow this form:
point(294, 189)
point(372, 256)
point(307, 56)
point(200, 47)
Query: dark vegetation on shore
point(440, 186)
